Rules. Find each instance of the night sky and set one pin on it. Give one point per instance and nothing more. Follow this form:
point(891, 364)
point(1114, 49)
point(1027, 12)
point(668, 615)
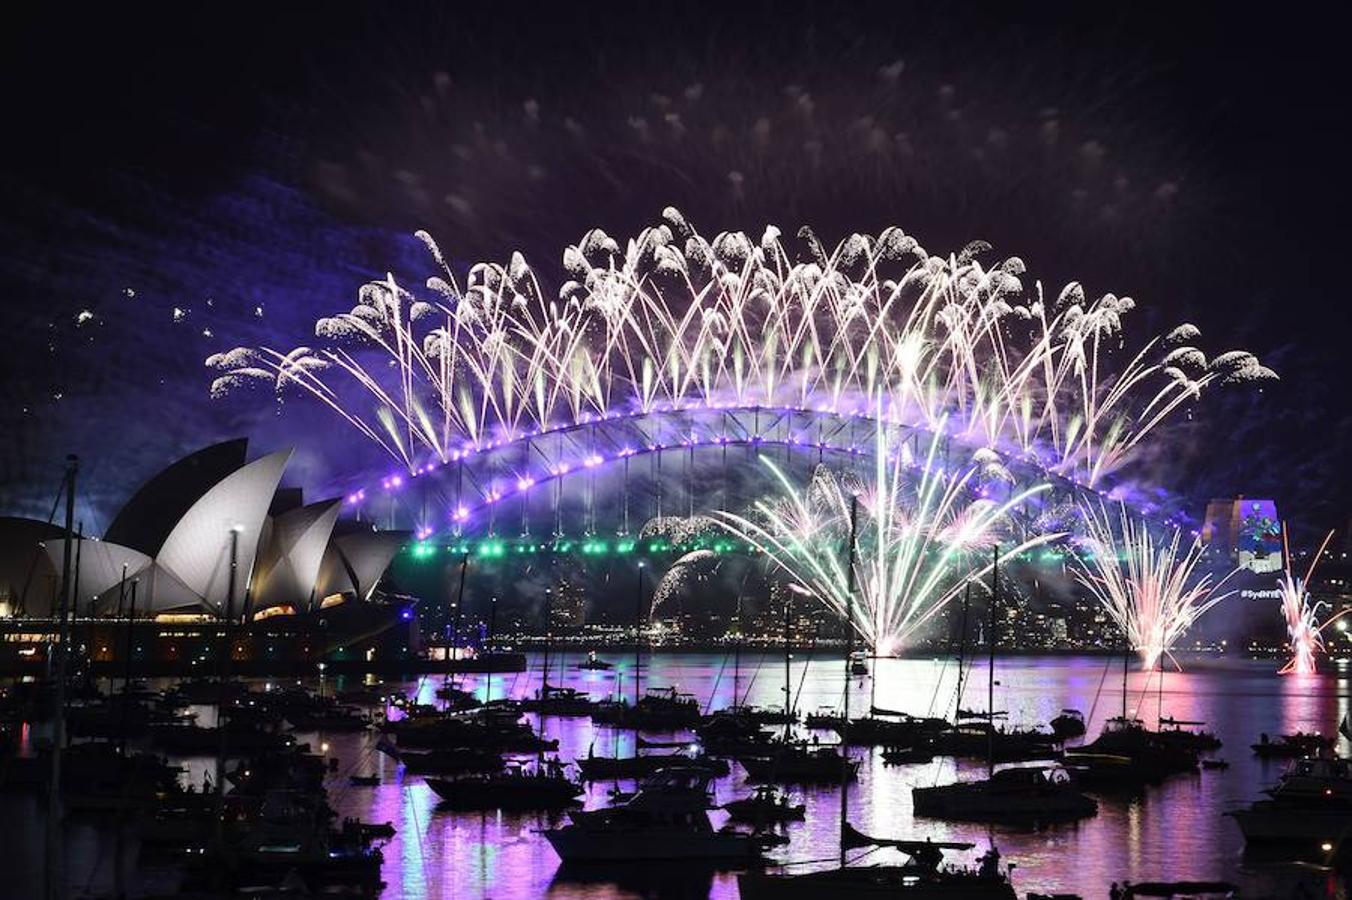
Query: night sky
point(250, 167)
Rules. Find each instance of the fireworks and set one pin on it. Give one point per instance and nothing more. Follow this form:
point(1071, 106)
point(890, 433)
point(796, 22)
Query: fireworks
point(1304, 633)
point(921, 532)
point(1148, 585)
point(670, 320)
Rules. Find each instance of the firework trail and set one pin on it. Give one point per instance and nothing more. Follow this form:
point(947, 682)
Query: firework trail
point(673, 321)
point(1148, 585)
point(690, 569)
point(921, 533)
point(1304, 633)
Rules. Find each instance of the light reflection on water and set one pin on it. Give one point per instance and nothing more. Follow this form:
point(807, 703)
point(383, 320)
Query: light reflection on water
point(1175, 830)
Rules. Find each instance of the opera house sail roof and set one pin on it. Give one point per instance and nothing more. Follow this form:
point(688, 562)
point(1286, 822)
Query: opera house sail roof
point(175, 540)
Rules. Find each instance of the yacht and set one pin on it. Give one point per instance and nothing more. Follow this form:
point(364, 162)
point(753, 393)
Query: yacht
point(979, 739)
point(1188, 735)
point(1291, 746)
point(1020, 794)
point(1310, 808)
point(662, 709)
point(592, 663)
point(559, 701)
point(600, 768)
point(765, 806)
point(545, 787)
point(1126, 754)
point(799, 763)
point(667, 820)
point(1069, 724)
point(826, 718)
point(923, 877)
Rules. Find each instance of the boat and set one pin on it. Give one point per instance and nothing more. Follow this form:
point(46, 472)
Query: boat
point(1180, 733)
point(798, 763)
point(595, 664)
point(491, 727)
point(902, 756)
point(443, 762)
point(923, 877)
point(546, 786)
point(1309, 810)
point(456, 697)
point(369, 831)
point(1126, 754)
point(1183, 890)
point(363, 780)
point(1069, 724)
point(601, 768)
point(728, 734)
point(1318, 778)
point(362, 696)
point(858, 664)
point(1291, 746)
point(824, 719)
point(979, 739)
point(1215, 764)
point(337, 720)
point(765, 806)
point(758, 716)
point(1022, 794)
point(656, 825)
point(559, 701)
point(187, 739)
point(661, 709)
point(883, 728)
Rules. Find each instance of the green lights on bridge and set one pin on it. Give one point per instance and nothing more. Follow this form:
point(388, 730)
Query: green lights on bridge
point(503, 548)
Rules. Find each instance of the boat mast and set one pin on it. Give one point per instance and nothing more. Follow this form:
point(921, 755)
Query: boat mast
point(990, 675)
point(737, 654)
point(849, 651)
point(1126, 657)
point(788, 682)
point(962, 638)
point(549, 640)
point(488, 644)
point(59, 728)
point(455, 618)
point(638, 635)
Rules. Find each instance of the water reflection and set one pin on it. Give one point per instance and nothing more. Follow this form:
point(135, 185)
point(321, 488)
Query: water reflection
point(1174, 830)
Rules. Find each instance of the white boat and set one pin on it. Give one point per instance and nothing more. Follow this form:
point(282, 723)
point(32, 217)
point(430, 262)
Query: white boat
point(1310, 808)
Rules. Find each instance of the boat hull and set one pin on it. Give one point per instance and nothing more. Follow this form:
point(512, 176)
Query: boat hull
point(870, 881)
point(1291, 827)
point(575, 844)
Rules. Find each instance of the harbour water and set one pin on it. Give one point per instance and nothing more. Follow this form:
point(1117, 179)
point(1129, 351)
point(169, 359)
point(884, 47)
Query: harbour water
point(1175, 830)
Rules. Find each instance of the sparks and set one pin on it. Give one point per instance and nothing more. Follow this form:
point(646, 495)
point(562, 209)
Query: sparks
point(1304, 633)
point(670, 320)
point(1148, 585)
point(918, 538)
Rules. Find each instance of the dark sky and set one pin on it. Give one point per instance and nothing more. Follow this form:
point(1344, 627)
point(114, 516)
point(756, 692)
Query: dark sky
point(250, 166)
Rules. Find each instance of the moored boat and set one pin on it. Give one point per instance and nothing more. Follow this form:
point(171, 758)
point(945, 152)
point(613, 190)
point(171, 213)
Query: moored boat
point(1024, 794)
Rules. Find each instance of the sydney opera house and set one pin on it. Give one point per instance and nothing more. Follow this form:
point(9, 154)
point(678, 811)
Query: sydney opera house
point(211, 539)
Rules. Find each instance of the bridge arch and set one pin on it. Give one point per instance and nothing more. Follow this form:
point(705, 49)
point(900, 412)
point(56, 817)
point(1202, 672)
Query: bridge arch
point(608, 475)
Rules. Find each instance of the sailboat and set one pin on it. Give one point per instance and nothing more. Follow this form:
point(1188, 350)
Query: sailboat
point(1024, 794)
point(792, 761)
point(922, 877)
